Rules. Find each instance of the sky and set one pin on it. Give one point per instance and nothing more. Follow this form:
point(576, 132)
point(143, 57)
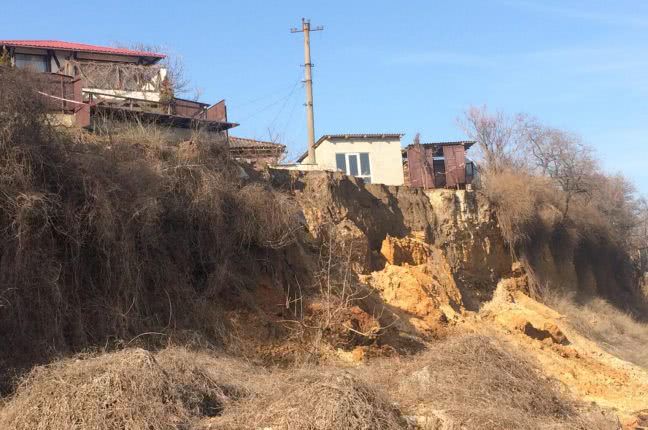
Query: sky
point(386, 66)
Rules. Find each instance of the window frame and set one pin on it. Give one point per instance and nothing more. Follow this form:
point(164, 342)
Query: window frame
point(347, 165)
point(46, 59)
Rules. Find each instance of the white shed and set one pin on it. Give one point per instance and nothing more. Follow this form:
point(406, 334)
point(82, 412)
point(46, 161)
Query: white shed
point(376, 158)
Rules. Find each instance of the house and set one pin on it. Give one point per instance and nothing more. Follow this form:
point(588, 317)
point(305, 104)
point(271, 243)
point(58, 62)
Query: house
point(259, 153)
point(376, 158)
point(84, 83)
point(439, 165)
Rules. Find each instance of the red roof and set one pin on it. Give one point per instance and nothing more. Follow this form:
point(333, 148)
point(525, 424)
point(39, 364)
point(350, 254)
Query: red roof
point(70, 46)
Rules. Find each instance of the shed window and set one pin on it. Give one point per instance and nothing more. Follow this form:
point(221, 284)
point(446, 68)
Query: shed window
point(340, 162)
point(365, 168)
point(470, 169)
point(354, 164)
point(35, 63)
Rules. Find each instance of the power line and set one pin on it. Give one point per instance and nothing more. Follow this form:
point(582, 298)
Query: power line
point(264, 97)
point(267, 107)
point(284, 104)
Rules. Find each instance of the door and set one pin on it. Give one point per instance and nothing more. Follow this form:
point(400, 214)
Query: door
point(420, 166)
point(455, 165)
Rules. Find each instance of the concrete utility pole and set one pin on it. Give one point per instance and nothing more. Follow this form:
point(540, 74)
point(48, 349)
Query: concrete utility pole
point(308, 81)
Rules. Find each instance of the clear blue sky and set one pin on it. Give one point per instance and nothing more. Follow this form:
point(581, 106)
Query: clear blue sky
point(386, 66)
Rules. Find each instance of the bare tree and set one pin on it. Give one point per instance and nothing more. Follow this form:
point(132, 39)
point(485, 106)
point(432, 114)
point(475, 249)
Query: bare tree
point(640, 234)
point(562, 156)
point(176, 76)
point(614, 196)
point(497, 136)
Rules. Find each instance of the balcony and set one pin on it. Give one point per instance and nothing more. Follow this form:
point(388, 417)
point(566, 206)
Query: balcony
point(67, 95)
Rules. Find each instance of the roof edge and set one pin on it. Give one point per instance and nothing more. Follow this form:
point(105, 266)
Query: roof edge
point(350, 136)
point(81, 47)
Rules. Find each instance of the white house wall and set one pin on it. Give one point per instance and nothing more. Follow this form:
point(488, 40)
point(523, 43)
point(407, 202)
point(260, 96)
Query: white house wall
point(385, 157)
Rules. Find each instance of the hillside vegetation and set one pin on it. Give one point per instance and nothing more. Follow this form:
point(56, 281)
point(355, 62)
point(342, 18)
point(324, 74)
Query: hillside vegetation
point(106, 241)
point(147, 284)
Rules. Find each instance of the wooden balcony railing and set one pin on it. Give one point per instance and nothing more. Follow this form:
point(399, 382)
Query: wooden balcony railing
point(65, 94)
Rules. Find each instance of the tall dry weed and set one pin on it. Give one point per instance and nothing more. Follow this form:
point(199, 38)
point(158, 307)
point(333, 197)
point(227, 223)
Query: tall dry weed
point(476, 381)
point(614, 330)
point(103, 243)
point(581, 252)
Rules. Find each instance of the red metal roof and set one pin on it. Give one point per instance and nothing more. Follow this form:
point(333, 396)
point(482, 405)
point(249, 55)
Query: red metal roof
point(71, 46)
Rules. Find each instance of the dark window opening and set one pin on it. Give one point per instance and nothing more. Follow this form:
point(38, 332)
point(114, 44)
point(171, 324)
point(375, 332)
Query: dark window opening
point(34, 63)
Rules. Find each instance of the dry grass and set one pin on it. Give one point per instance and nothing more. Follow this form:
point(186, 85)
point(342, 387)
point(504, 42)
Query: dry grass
point(476, 382)
point(466, 382)
point(314, 399)
point(178, 389)
point(614, 330)
point(130, 389)
point(106, 241)
point(518, 199)
point(581, 252)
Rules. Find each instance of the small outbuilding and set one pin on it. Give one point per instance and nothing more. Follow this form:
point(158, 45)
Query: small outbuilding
point(439, 165)
point(375, 157)
point(258, 153)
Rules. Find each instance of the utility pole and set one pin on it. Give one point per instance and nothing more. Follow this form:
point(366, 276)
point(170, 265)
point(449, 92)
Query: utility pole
point(308, 81)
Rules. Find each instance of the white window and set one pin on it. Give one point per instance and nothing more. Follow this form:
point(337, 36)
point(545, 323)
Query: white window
point(35, 63)
point(354, 164)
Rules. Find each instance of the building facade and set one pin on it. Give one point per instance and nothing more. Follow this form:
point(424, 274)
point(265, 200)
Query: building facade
point(258, 153)
point(375, 158)
point(85, 83)
point(439, 165)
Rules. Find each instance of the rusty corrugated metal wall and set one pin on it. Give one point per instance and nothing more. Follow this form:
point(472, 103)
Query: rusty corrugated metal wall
point(421, 172)
point(455, 165)
point(426, 172)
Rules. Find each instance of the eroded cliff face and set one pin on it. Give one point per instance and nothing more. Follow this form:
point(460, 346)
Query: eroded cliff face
point(459, 226)
point(436, 263)
point(567, 259)
point(463, 226)
point(466, 230)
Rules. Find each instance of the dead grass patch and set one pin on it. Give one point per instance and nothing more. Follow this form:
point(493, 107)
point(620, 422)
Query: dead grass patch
point(612, 329)
point(466, 382)
point(130, 389)
point(579, 251)
point(518, 199)
point(477, 382)
point(180, 389)
point(315, 399)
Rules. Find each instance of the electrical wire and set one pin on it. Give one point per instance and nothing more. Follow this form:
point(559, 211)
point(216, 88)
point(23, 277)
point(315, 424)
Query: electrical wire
point(283, 106)
point(276, 102)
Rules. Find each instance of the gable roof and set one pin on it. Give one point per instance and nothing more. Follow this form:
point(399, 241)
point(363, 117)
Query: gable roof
point(352, 136)
point(81, 47)
point(242, 142)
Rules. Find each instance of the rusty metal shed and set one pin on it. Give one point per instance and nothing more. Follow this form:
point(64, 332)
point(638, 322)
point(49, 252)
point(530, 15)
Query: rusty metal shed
point(439, 164)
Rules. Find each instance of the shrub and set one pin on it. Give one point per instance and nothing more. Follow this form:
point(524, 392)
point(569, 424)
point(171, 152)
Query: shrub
point(104, 241)
point(520, 200)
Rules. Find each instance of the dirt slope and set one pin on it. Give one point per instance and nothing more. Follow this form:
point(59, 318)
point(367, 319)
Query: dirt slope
point(457, 273)
point(585, 369)
point(390, 291)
